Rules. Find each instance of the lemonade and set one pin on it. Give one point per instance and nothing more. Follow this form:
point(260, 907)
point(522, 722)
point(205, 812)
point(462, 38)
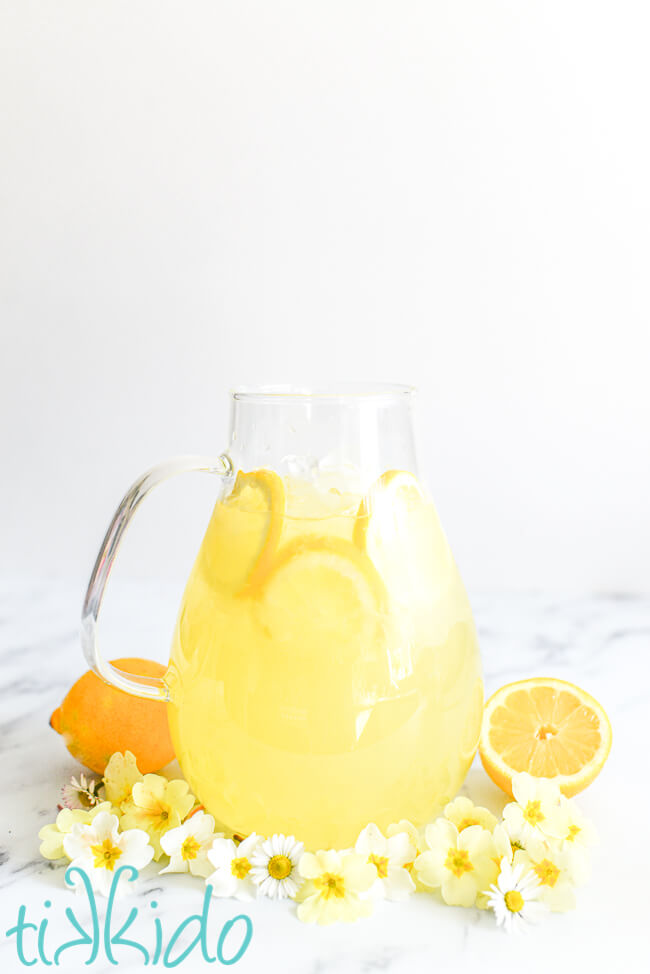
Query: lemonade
point(324, 671)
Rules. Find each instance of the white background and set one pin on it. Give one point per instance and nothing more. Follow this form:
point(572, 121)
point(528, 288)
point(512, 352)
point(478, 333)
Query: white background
point(454, 194)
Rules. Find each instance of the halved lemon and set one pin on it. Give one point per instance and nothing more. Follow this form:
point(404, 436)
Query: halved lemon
point(244, 532)
point(323, 598)
point(549, 728)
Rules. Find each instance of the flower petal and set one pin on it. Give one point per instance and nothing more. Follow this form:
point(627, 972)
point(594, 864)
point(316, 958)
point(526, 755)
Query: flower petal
point(309, 866)
point(358, 872)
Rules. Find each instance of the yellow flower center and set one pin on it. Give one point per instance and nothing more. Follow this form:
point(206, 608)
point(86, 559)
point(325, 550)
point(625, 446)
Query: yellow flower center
point(547, 872)
point(514, 900)
point(381, 862)
point(409, 866)
point(457, 862)
point(240, 867)
point(190, 848)
point(330, 886)
point(533, 813)
point(279, 867)
point(106, 855)
point(467, 822)
point(573, 831)
point(156, 817)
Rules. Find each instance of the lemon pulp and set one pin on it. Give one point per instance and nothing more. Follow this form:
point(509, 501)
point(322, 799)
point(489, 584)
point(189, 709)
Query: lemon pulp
point(324, 670)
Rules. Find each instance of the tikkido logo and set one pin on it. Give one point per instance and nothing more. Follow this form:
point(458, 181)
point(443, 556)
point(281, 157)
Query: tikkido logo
point(95, 941)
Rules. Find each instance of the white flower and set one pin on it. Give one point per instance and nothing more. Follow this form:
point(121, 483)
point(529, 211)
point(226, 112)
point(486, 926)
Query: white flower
point(275, 867)
point(391, 858)
point(80, 793)
point(536, 813)
point(464, 813)
point(515, 898)
point(188, 845)
point(100, 848)
point(232, 866)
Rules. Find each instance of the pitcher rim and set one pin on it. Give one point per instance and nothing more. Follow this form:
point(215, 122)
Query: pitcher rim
point(330, 391)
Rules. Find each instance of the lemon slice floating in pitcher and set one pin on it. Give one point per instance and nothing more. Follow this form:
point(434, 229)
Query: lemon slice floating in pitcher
point(549, 728)
point(323, 598)
point(244, 532)
point(398, 527)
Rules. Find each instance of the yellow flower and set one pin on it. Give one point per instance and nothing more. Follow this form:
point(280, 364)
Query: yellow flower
point(464, 813)
point(389, 856)
point(333, 882)
point(405, 826)
point(553, 870)
point(416, 840)
point(536, 812)
point(578, 835)
point(505, 849)
point(119, 777)
point(157, 805)
point(52, 836)
point(460, 864)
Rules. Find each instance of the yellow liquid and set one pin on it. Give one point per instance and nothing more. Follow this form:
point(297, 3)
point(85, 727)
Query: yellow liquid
point(343, 688)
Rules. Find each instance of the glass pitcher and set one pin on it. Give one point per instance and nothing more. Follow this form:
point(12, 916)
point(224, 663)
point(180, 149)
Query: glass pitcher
point(324, 670)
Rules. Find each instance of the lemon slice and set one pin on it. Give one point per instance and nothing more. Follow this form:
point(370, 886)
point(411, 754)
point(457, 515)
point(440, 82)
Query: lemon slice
point(377, 510)
point(244, 532)
point(398, 528)
point(323, 598)
point(549, 728)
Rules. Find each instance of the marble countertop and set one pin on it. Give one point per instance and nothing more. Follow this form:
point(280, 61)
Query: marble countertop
point(600, 642)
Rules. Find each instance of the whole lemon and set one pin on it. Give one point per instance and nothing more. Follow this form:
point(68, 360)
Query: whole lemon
point(96, 719)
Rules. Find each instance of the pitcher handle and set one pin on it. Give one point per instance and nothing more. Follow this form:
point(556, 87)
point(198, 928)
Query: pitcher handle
point(141, 686)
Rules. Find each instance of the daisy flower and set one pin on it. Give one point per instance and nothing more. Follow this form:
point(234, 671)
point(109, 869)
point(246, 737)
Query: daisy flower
point(464, 813)
point(389, 856)
point(100, 848)
point(515, 898)
point(275, 866)
point(52, 836)
point(537, 812)
point(554, 871)
point(120, 776)
point(188, 845)
point(460, 864)
point(80, 793)
point(332, 888)
point(157, 805)
point(232, 865)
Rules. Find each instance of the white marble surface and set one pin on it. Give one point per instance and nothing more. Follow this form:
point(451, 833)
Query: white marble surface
point(602, 643)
